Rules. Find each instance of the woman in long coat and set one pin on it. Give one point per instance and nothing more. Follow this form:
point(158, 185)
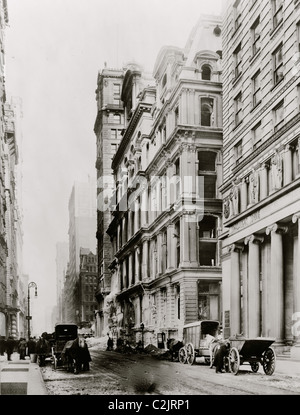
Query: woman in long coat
point(22, 348)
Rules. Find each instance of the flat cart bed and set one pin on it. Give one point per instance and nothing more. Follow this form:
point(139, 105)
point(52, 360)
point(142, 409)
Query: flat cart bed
point(253, 351)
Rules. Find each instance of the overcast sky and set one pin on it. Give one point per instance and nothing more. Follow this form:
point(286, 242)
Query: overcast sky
point(54, 50)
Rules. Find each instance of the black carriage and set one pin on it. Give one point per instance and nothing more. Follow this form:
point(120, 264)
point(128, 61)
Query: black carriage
point(252, 351)
point(195, 340)
point(62, 334)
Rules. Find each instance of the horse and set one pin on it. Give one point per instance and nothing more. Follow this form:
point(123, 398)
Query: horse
point(173, 346)
point(76, 355)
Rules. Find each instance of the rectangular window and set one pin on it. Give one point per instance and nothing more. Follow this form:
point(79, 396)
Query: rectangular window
point(278, 65)
point(237, 55)
point(238, 152)
point(256, 136)
point(278, 116)
point(207, 107)
point(113, 134)
point(256, 93)
point(117, 119)
point(208, 241)
point(116, 94)
point(277, 6)
point(238, 110)
point(255, 34)
point(298, 37)
point(176, 113)
point(177, 232)
point(178, 301)
point(113, 148)
point(237, 14)
point(177, 174)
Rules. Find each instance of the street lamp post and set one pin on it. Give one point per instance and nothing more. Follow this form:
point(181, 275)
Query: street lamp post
point(142, 326)
point(31, 284)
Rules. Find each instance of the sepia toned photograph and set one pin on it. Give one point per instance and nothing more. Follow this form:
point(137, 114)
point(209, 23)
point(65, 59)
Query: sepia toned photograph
point(149, 200)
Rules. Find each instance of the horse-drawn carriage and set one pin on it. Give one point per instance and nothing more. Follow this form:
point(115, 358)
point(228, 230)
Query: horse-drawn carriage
point(69, 350)
point(253, 351)
point(195, 340)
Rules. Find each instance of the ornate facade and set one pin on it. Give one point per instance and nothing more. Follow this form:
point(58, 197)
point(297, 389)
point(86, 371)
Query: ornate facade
point(260, 248)
point(166, 268)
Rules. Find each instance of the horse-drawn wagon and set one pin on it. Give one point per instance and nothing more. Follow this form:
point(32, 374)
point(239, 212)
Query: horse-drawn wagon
point(195, 340)
point(62, 334)
point(253, 351)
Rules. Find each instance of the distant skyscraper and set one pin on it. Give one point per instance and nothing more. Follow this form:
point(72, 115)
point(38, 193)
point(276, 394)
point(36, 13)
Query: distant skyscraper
point(62, 258)
point(82, 233)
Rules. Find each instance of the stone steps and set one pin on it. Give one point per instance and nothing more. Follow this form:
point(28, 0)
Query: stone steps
point(14, 378)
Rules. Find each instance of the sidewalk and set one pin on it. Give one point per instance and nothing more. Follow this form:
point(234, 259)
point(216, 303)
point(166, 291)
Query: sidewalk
point(21, 377)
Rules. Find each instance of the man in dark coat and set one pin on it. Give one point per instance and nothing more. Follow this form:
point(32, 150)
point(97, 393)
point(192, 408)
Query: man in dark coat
point(31, 344)
point(10, 347)
point(22, 348)
point(2, 345)
point(220, 354)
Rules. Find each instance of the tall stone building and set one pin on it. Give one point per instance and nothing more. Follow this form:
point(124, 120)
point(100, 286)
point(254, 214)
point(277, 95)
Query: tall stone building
point(87, 285)
point(4, 318)
point(108, 129)
point(166, 270)
point(12, 307)
point(260, 236)
point(82, 232)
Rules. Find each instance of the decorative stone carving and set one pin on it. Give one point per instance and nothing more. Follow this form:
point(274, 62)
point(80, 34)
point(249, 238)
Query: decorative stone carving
point(226, 208)
point(237, 247)
point(276, 171)
point(276, 228)
point(256, 239)
point(253, 187)
point(235, 200)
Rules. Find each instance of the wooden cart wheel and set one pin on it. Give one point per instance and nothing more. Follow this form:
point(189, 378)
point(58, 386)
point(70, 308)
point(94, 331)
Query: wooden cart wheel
point(269, 361)
point(254, 366)
point(182, 355)
point(190, 353)
point(234, 360)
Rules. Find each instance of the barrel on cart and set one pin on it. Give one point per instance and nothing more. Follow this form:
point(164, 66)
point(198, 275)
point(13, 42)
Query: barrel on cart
point(252, 351)
point(195, 340)
point(62, 334)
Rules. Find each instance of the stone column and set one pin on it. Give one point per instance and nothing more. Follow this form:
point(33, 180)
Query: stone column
point(130, 270)
point(184, 241)
point(171, 190)
point(144, 206)
point(254, 311)
point(124, 230)
point(159, 253)
point(277, 281)
point(245, 315)
point(235, 289)
point(136, 215)
point(296, 286)
point(129, 224)
point(171, 247)
point(124, 274)
point(219, 171)
point(137, 270)
point(145, 260)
